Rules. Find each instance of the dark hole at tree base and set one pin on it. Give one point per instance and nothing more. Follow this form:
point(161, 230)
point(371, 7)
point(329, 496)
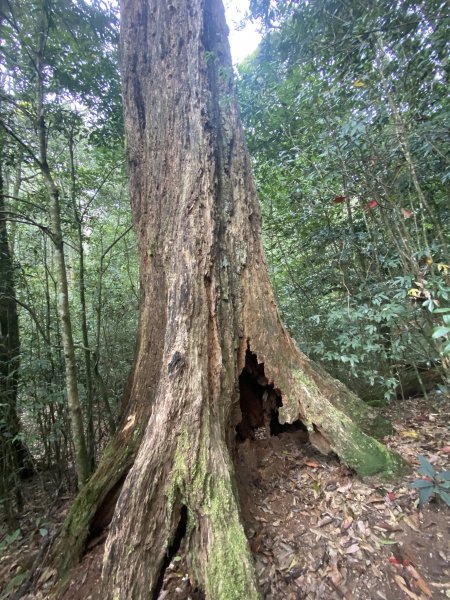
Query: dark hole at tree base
point(260, 402)
point(180, 532)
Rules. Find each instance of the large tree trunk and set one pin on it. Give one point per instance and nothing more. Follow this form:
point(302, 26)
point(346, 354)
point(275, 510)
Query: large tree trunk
point(208, 321)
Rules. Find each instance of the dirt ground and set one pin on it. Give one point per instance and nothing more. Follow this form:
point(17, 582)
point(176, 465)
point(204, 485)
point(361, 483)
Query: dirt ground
point(315, 529)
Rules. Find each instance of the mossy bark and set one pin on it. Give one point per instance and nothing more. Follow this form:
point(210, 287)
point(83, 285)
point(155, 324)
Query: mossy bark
point(206, 303)
point(94, 505)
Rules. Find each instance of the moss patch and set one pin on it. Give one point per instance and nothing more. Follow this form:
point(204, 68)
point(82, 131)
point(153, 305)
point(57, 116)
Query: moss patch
point(230, 570)
point(180, 469)
point(114, 464)
point(381, 427)
point(346, 436)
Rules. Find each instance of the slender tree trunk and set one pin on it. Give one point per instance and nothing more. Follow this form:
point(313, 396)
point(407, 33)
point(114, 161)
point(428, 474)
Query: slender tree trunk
point(90, 438)
point(402, 137)
point(76, 416)
point(99, 310)
point(207, 316)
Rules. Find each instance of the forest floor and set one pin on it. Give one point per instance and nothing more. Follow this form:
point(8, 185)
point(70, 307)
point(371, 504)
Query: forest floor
point(316, 530)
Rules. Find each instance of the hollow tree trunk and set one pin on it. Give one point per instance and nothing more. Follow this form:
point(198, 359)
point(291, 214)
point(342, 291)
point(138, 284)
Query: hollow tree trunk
point(199, 229)
point(207, 314)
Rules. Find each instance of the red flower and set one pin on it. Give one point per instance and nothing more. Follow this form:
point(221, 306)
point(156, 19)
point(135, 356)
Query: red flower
point(370, 205)
point(406, 213)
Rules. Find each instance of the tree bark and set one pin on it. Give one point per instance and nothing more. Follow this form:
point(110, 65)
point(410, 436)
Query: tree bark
point(13, 454)
point(207, 316)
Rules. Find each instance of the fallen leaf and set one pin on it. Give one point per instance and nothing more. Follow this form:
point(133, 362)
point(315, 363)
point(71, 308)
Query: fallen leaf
point(419, 581)
point(382, 525)
point(345, 488)
point(402, 585)
point(352, 549)
point(387, 541)
point(409, 433)
point(312, 464)
point(46, 575)
point(324, 521)
point(409, 522)
point(376, 571)
point(346, 523)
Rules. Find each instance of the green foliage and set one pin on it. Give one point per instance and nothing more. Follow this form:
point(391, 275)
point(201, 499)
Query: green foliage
point(432, 483)
point(344, 106)
point(442, 333)
point(76, 46)
point(9, 539)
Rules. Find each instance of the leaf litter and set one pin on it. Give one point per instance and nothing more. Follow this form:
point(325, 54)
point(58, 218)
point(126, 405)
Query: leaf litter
point(315, 529)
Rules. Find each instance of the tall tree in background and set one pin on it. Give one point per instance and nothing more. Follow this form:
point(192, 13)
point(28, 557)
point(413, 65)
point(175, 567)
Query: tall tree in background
point(207, 316)
point(45, 79)
point(11, 449)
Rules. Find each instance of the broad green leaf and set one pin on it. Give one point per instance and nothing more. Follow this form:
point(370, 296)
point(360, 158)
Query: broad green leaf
point(425, 494)
point(421, 483)
point(440, 332)
point(425, 466)
point(445, 497)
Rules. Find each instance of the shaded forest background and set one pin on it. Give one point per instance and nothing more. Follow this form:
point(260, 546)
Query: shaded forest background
point(346, 112)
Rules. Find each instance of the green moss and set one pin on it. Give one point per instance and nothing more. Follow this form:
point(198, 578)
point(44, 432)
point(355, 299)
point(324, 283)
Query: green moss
point(230, 571)
point(377, 402)
point(346, 435)
point(357, 450)
point(380, 427)
point(303, 379)
point(200, 469)
point(180, 469)
point(343, 399)
point(114, 464)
